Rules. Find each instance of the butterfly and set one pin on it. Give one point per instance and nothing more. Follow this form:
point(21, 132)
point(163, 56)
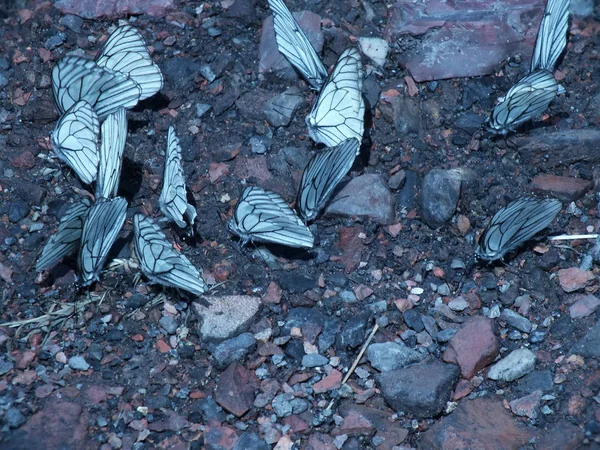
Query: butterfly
point(75, 78)
point(160, 261)
point(125, 52)
point(322, 174)
point(114, 133)
point(75, 140)
point(67, 237)
point(526, 100)
point(264, 216)
point(295, 46)
point(338, 114)
point(173, 200)
point(552, 35)
point(514, 224)
point(100, 231)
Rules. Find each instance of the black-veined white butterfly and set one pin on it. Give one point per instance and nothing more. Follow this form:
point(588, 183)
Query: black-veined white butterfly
point(526, 100)
point(75, 78)
point(322, 174)
point(514, 224)
point(125, 52)
point(173, 199)
point(75, 140)
point(339, 112)
point(264, 216)
point(67, 237)
point(114, 133)
point(159, 260)
point(552, 35)
point(100, 231)
point(295, 46)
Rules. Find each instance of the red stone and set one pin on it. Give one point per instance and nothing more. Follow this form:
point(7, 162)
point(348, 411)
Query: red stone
point(319, 441)
point(219, 437)
point(296, 423)
point(527, 406)
point(217, 171)
point(22, 159)
point(584, 306)
point(162, 346)
point(235, 391)
point(23, 360)
point(351, 246)
point(330, 382)
point(567, 189)
point(273, 293)
point(573, 278)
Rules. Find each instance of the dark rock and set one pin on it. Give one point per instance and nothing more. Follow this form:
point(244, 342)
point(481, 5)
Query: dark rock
point(251, 104)
point(208, 409)
point(440, 192)
point(562, 327)
point(55, 41)
point(589, 345)
point(14, 418)
point(337, 279)
point(29, 192)
point(180, 72)
point(73, 23)
point(477, 92)
point(242, 10)
point(329, 334)
point(251, 441)
point(92, 9)
point(354, 330)
point(296, 283)
point(407, 115)
point(280, 109)
point(297, 157)
point(535, 381)
point(235, 390)
point(298, 317)
point(169, 324)
point(413, 320)
point(33, 242)
point(563, 435)
point(406, 199)
point(371, 90)
point(421, 391)
point(225, 101)
point(234, 349)
point(561, 148)
point(397, 180)
point(17, 210)
point(201, 109)
point(389, 356)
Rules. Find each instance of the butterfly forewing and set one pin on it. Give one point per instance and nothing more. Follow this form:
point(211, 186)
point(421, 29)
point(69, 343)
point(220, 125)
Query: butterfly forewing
point(295, 46)
point(552, 35)
point(514, 224)
point(264, 216)
point(67, 237)
point(125, 52)
point(75, 78)
point(159, 260)
point(100, 230)
point(75, 140)
point(173, 198)
point(322, 174)
point(114, 133)
point(338, 113)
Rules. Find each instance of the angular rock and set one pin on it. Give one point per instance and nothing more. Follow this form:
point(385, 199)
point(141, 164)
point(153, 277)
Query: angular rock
point(473, 347)
point(314, 360)
point(513, 366)
point(113, 9)
point(516, 320)
point(584, 306)
point(421, 391)
point(439, 195)
point(389, 356)
point(235, 390)
point(329, 383)
point(226, 316)
point(280, 109)
point(535, 381)
point(407, 115)
point(219, 437)
point(251, 441)
point(366, 196)
point(234, 349)
point(252, 103)
point(560, 148)
point(480, 423)
point(567, 189)
point(527, 406)
point(589, 345)
point(363, 420)
point(573, 278)
point(376, 49)
point(354, 331)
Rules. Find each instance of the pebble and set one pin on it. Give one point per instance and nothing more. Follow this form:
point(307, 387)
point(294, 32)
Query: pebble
point(314, 360)
point(234, 349)
point(55, 41)
point(589, 345)
point(513, 366)
point(446, 335)
point(388, 356)
point(78, 363)
point(376, 49)
point(413, 320)
point(259, 145)
point(251, 441)
point(527, 406)
point(439, 196)
point(17, 210)
point(458, 304)
point(537, 337)
point(516, 320)
point(354, 330)
point(169, 324)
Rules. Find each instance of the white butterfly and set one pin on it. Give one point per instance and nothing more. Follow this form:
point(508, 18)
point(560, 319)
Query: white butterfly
point(114, 133)
point(159, 260)
point(100, 231)
point(552, 35)
point(67, 237)
point(75, 140)
point(265, 217)
point(322, 174)
point(339, 111)
point(295, 46)
point(173, 199)
point(125, 52)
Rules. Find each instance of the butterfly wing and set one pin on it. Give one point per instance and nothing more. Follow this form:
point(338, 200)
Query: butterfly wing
point(75, 78)
point(75, 140)
point(264, 216)
point(67, 237)
point(514, 224)
point(173, 198)
point(322, 174)
point(125, 52)
point(338, 113)
point(552, 35)
point(114, 133)
point(295, 46)
point(159, 260)
point(100, 231)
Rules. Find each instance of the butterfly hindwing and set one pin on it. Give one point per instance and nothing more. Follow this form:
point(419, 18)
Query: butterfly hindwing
point(114, 133)
point(552, 35)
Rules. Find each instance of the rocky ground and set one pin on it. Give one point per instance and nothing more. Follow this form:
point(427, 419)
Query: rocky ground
point(510, 361)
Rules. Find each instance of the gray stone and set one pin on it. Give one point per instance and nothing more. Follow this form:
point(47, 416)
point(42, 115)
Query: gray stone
point(72, 22)
point(446, 335)
point(201, 109)
point(114, 9)
point(180, 71)
point(251, 441)
point(430, 326)
point(314, 360)
point(169, 324)
point(298, 317)
point(14, 418)
point(17, 210)
point(516, 320)
point(439, 195)
point(226, 316)
point(234, 349)
point(413, 319)
point(389, 356)
point(589, 345)
point(296, 283)
point(282, 405)
point(366, 196)
point(421, 391)
point(354, 331)
point(3, 80)
point(537, 337)
point(407, 115)
point(55, 41)
point(280, 109)
point(535, 381)
point(513, 366)
point(259, 144)
point(78, 363)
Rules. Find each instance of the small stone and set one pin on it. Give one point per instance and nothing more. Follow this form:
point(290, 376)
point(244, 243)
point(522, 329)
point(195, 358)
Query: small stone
point(78, 363)
point(329, 383)
point(234, 349)
point(446, 335)
point(527, 406)
point(439, 196)
point(169, 324)
point(376, 49)
point(516, 320)
point(314, 360)
point(589, 345)
point(567, 189)
point(259, 145)
point(14, 418)
point(55, 41)
point(251, 441)
point(73, 23)
point(354, 331)
point(280, 109)
point(226, 316)
point(517, 364)
point(202, 109)
point(413, 319)
point(17, 210)
point(235, 389)
point(282, 405)
point(537, 337)
point(458, 304)
point(389, 356)
point(585, 306)
point(397, 180)
point(573, 278)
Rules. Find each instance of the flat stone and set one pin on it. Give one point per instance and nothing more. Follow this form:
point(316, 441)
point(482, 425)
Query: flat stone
point(234, 349)
point(280, 109)
point(513, 366)
point(376, 49)
point(366, 196)
point(14, 418)
point(407, 115)
point(589, 345)
point(113, 9)
point(329, 383)
point(473, 347)
point(314, 360)
point(480, 423)
point(219, 437)
point(235, 389)
point(567, 189)
point(78, 363)
point(516, 320)
point(573, 278)
point(226, 316)
point(363, 420)
point(584, 306)
point(251, 441)
point(389, 356)
point(421, 391)
point(535, 381)
point(527, 406)
point(439, 196)
point(543, 148)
